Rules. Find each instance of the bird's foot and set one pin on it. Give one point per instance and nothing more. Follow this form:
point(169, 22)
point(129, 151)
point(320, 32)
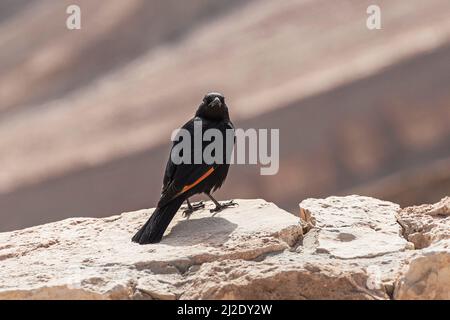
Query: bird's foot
point(223, 206)
point(194, 207)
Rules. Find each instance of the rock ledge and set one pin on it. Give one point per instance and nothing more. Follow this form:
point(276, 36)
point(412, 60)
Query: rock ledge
point(340, 248)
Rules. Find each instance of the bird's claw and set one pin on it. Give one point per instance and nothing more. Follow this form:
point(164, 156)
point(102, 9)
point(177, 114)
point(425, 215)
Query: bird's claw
point(187, 213)
point(194, 207)
point(223, 206)
point(198, 206)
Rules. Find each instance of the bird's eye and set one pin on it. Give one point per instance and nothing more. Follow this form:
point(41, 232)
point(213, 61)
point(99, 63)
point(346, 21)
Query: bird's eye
point(222, 99)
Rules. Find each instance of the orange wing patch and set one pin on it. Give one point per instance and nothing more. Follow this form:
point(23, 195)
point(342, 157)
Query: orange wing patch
point(203, 177)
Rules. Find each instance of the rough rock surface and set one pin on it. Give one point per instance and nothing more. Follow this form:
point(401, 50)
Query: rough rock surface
point(340, 248)
point(428, 275)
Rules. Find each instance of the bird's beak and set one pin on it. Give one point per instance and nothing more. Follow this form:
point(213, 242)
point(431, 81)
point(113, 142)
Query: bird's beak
point(216, 102)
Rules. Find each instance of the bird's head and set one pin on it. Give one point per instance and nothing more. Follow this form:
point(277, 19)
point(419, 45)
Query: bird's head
point(213, 107)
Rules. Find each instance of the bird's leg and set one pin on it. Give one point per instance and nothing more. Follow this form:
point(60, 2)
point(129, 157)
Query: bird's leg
point(219, 207)
point(192, 208)
point(187, 213)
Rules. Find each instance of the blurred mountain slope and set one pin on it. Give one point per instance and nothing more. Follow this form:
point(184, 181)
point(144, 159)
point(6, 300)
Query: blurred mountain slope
point(37, 47)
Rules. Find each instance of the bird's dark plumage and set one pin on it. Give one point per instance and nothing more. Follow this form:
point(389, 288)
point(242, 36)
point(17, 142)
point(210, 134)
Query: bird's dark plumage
point(184, 180)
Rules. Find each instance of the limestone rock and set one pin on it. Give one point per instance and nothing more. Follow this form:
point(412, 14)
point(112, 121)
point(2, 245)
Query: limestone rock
point(85, 258)
point(426, 224)
point(355, 227)
point(428, 275)
point(339, 248)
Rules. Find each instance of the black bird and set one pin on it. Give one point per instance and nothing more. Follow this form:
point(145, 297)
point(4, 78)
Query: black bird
point(182, 181)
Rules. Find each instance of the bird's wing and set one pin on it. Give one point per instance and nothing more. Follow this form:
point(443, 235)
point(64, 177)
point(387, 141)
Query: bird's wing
point(180, 178)
point(171, 167)
point(186, 177)
point(169, 172)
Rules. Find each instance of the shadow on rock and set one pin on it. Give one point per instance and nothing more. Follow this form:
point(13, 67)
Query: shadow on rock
point(211, 231)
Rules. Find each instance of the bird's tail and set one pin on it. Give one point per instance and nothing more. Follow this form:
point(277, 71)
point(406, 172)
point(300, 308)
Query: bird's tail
point(152, 231)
